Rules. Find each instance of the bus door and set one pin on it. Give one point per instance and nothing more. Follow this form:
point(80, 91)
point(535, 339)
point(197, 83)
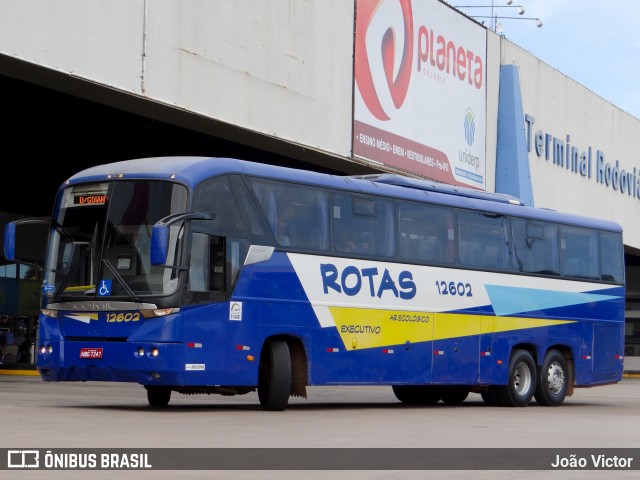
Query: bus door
point(217, 247)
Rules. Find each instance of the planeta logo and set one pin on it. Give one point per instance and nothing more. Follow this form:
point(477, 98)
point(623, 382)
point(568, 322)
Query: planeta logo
point(377, 39)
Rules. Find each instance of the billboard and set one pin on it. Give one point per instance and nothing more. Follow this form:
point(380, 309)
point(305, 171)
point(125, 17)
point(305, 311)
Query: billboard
point(420, 90)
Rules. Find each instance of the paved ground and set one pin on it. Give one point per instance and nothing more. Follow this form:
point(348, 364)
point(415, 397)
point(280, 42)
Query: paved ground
point(43, 415)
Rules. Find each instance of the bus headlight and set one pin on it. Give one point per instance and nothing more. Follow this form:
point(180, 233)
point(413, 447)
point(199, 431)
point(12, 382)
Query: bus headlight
point(49, 313)
point(158, 312)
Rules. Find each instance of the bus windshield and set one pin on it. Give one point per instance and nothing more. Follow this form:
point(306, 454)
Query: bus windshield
point(100, 239)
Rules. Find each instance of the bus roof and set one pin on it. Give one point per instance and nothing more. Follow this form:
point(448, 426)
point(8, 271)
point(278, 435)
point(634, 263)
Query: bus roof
point(191, 170)
point(409, 182)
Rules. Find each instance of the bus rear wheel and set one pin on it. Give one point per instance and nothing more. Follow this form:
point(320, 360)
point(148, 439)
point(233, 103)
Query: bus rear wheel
point(552, 380)
point(521, 382)
point(158, 397)
point(417, 394)
point(274, 376)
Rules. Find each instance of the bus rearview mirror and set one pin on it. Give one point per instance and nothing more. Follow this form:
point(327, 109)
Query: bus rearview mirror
point(25, 240)
point(159, 244)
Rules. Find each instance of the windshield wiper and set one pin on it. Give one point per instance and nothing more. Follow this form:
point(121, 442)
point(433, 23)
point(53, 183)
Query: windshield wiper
point(122, 281)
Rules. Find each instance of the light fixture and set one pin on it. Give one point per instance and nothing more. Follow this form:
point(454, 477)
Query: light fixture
point(538, 21)
point(496, 26)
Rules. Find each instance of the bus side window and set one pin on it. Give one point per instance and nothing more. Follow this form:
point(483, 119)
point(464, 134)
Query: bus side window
point(218, 260)
point(611, 257)
point(364, 225)
point(215, 196)
point(249, 210)
point(483, 240)
point(579, 248)
point(535, 246)
point(298, 217)
point(214, 262)
point(199, 263)
point(207, 264)
point(426, 235)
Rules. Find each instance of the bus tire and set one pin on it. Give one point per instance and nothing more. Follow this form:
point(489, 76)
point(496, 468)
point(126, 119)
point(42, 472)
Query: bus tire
point(551, 388)
point(274, 376)
point(454, 395)
point(417, 394)
point(158, 397)
point(521, 381)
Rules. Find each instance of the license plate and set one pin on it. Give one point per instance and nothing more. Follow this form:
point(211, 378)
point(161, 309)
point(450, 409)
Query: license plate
point(91, 353)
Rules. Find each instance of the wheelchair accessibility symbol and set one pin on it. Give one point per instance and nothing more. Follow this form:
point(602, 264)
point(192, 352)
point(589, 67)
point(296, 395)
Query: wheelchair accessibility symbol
point(104, 290)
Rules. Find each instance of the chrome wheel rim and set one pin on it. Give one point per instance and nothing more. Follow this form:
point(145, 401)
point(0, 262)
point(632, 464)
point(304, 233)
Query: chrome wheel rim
point(522, 378)
point(555, 378)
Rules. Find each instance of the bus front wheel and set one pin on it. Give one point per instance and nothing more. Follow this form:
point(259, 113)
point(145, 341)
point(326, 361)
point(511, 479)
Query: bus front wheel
point(274, 376)
point(521, 381)
point(158, 397)
point(552, 380)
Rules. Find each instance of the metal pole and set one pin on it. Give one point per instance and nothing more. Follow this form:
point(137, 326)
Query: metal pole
point(493, 16)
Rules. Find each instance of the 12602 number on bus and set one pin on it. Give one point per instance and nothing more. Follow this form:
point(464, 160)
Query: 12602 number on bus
point(123, 317)
point(454, 288)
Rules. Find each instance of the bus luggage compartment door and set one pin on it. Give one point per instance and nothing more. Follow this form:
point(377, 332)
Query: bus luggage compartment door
point(607, 355)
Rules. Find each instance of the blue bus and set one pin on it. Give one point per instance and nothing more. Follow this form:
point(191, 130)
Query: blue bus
point(216, 275)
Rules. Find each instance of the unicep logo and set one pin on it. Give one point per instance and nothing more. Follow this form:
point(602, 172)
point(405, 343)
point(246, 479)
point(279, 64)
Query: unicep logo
point(380, 24)
point(469, 127)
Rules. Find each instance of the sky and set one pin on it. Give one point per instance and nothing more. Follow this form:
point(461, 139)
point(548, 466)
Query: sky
point(594, 42)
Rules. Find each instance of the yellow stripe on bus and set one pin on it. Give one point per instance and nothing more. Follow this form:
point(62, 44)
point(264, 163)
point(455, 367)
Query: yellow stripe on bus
point(371, 328)
point(79, 288)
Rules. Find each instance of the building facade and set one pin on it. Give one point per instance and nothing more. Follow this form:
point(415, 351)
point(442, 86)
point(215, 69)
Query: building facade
point(407, 86)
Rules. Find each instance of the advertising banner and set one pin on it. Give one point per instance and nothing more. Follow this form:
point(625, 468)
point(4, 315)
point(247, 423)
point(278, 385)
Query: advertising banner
point(420, 90)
